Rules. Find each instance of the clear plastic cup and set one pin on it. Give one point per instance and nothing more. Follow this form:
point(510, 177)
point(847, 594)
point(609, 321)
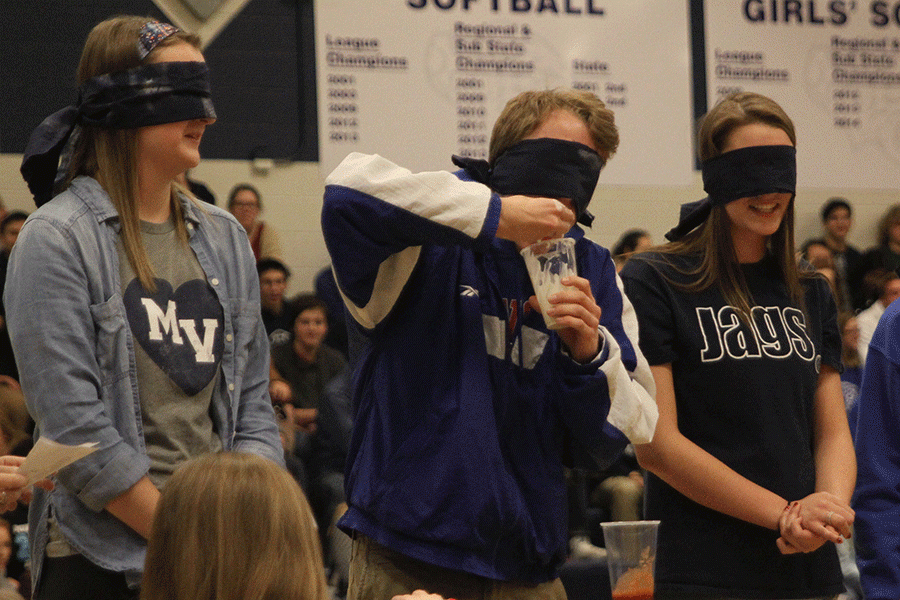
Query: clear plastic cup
point(630, 556)
point(548, 262)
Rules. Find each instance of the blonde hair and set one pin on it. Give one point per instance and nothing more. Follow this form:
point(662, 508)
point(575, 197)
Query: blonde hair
point(233, 526)
point(712, 241)
point(524, 113)
point(110, 155)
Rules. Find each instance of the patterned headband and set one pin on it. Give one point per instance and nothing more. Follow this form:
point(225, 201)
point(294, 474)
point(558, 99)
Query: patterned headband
point(151, 35)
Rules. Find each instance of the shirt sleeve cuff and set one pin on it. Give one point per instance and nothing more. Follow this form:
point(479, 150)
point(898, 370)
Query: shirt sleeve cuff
point(491, 221)
point(599, 359)
point(115, 478)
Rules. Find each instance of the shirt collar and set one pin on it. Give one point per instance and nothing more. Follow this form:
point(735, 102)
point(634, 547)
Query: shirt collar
point(97, 200)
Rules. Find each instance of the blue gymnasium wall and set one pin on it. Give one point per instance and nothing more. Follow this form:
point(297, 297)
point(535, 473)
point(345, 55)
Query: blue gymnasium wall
point(264, 108)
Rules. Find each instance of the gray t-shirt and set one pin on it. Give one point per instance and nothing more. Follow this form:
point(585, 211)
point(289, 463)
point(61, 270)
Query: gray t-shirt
point(178, 349)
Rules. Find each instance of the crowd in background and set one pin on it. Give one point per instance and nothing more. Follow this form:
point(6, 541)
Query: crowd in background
point(309, 376)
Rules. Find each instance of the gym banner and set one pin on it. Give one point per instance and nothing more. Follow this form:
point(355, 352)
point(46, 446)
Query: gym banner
point(419, 80)
point(834, 66)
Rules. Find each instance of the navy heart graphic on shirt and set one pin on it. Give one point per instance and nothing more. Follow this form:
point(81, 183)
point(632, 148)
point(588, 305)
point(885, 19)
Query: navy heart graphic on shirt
point(181, 331)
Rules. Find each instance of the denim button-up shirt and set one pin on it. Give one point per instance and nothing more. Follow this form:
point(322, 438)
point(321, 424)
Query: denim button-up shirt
point(75, 353)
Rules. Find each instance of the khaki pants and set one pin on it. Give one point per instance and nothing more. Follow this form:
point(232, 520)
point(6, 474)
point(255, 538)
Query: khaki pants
point(378, 573)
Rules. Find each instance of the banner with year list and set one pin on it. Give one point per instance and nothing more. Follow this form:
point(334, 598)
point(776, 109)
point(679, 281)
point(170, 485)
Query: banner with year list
point(834, 66)
point(419, 80)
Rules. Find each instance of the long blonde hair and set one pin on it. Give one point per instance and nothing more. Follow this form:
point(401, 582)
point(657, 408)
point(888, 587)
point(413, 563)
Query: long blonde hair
point(712, 241)
point(233, 526)
point(110, 155)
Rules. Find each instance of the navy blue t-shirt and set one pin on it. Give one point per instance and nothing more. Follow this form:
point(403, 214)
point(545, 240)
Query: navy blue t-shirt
point(746, 396)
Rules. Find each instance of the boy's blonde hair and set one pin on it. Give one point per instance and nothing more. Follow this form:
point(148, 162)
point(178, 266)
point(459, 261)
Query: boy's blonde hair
point(524, 113)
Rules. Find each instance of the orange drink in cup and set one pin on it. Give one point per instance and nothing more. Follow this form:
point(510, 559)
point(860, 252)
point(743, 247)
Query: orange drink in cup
point(631, 555)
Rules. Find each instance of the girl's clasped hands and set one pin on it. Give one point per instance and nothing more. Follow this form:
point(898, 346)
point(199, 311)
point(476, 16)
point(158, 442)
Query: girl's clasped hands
point(808, 523)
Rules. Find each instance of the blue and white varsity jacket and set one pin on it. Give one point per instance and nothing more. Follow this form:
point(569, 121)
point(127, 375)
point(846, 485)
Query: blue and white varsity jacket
point(465, 404)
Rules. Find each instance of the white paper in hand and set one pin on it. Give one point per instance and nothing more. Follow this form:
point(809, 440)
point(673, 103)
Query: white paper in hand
point(47, 457)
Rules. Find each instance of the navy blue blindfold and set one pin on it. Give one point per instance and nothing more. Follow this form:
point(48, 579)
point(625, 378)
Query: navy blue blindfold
point(151, 94)
point(546, 167)
point(743, 173)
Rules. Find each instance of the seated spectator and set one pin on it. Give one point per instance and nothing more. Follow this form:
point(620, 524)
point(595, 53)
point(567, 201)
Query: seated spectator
point(618, 490)
point(633, 240)
point(11, 434)
point(621, 488)
point(301, 369)
point(16, 427)
point(245, 203)
point(233, 526)
point(6, 548)
point(277, 313)
point(851, 378)
point(12, 406)
point(197, 188)
point(837, 219)
point(301, 372)
point(886, 255)
point(885, 287)
point(817, 253)
point(10, 226)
